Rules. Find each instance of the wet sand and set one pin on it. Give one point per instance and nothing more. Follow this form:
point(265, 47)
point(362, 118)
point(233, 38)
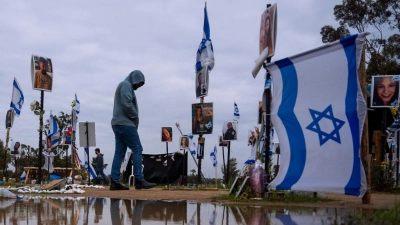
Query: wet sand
point(378, 200)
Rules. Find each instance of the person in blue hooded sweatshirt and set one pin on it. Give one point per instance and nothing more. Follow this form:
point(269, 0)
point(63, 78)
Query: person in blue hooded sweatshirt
point(125, 123)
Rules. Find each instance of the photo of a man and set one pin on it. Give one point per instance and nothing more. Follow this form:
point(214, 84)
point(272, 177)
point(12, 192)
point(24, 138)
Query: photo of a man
point(43, 76)
point(15, 149)
point(229, 131)
point(202, 82)
point(9, 118)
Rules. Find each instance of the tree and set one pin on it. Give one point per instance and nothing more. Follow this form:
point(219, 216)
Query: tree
point(383, 16)
point(233, 171)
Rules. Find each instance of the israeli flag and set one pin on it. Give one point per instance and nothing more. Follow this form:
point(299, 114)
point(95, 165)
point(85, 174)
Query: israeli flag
point(318, 111)
point(17, 99)
point(193, 146)
point(394, 127)
point(205, 52)
point(236, 114)
point(77, 106)
point(89, 166)
point(213, 156)
point(53, 132)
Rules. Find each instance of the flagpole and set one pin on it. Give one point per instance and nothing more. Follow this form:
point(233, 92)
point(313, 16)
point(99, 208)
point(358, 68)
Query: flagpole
point(216, 175)
point(5, 152)
point(223, 161)
point(40, 138)
point(364, 151)
point(72, 142)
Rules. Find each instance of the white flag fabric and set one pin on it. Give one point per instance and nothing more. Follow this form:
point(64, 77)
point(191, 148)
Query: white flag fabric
point(192, 146)
point(77, 106)
point(205, 52)
point(126, 160)
point(53, 132)
point(236, 114)
point(17, 99)
point(213, 156)
point(318, 111)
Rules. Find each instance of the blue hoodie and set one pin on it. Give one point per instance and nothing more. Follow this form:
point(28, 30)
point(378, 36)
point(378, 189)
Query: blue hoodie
point(126, 110)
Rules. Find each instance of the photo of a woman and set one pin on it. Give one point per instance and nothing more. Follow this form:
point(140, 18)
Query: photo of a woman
point(268, 30)
point(184, 143)
point(385, 92)
point(166, 134)
point(202, 118)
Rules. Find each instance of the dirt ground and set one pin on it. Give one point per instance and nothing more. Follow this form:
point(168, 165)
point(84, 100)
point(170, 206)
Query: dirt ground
point(378, 200)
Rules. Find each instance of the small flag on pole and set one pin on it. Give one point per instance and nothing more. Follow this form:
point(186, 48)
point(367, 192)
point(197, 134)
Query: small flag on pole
point(17, 99)
point(192, 145)
point(236, 114)
point(205, 52)
point(213, 156)
point(77, 106)
point(53, 132)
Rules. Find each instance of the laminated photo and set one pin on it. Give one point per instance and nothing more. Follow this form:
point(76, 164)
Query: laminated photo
point(268, 30)
point(15, 149)
point(385, 91)
point(166, 134)
point(184, 143)
point(41, 73)
point(202, 118)
point(202, 82)
point(229, 131)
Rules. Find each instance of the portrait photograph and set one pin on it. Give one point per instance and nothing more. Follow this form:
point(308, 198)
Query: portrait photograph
point(229, 131)
point(15, 149)
point(9, 118)
point(202, 82)
point(202, 118)
point(184, 143)
point(200, 147)
point(385, 91)
point(259, 112)
point(41, 73)
point(268, 30)
point(251, 138)
point(221, 142)
point(166, 134)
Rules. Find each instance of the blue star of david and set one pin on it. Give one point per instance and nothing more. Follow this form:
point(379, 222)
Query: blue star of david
point(324, 136)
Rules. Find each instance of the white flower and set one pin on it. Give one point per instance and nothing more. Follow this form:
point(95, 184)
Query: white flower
point(33, 105)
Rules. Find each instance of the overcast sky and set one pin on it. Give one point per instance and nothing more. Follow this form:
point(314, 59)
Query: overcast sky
point(94, 45)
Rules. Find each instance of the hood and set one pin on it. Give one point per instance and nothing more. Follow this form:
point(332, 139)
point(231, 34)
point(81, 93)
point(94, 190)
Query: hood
point(135, 77)
point(101, 154)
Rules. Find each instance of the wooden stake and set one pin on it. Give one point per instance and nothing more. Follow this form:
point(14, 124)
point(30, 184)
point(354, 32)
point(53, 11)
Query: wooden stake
point(366, 199)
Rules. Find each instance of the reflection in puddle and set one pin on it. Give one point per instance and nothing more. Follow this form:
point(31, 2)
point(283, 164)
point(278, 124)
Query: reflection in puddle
point(90, 210)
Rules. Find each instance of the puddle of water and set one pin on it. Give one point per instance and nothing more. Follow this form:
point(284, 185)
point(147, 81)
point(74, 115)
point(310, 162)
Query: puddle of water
point(89, 210)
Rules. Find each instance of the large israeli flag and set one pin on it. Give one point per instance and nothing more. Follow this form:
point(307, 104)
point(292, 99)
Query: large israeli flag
point(17, 99)
point(318, 111)
point(205, 52)
point(53, 132)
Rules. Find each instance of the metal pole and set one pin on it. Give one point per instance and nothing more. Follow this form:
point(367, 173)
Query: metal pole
point(223, 162)
point(167, 167)
point(199, 164)
point(5, 152)
point(87, 146)
point(397, 161)
point(228, 163)
point(267, 124)
point(40, 137)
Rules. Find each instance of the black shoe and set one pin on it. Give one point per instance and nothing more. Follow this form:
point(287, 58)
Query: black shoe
point(142, 184)
point(117, 186)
